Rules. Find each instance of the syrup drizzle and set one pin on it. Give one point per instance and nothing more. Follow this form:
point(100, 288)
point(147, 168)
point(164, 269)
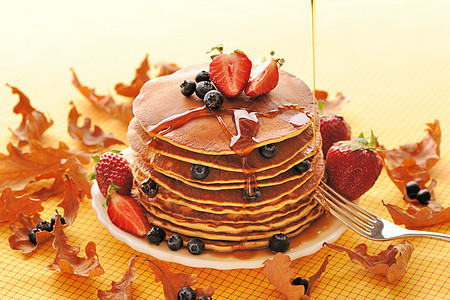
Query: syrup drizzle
point(313, 36)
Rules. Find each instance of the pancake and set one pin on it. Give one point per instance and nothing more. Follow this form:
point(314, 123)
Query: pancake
point(246, 196)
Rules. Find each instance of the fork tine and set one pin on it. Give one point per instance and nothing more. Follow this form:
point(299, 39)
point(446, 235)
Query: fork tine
point(348, 210)
point(343, 218)
point(362, 211)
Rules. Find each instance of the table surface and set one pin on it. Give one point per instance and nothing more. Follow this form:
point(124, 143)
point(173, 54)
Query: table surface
point(391, 57)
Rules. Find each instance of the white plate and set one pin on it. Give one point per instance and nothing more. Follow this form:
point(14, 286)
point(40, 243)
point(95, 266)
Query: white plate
point(332, 231)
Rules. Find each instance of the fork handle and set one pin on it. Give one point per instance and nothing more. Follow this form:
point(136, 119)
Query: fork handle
point(436, 235)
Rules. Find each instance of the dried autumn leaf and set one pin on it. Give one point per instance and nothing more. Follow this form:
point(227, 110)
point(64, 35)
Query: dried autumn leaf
point(166, 69)
point(331, 107)
point(106, 103)
point(34, 123)
point(19, 239)
point(67, 260)
point(70, 202)
point(11, 205)
point(19, 168)
point(95, 137)
point(391, 262)
point(140, 78)
point(208, 292)
point(280, 275)
point(414, 161)
point(121, 290)
point(172, 282)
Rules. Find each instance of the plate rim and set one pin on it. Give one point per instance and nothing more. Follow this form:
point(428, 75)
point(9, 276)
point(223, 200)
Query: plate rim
point(204, 260)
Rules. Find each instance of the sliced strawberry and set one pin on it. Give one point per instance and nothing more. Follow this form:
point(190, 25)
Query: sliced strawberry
point(230, 72)
point(264, 78)
point(127, 214)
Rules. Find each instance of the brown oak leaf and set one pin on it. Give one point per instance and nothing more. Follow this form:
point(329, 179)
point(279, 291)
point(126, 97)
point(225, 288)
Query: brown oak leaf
point(391, 262)
point(121, 290)
point(20, 168)
point(10, 206)
point(208, 292)
point(106, 103)
point(141, 77)
point(19, 239)
point(172, 282)
point(67, 260)
point(330, 107)
point(89, 138)
point(34, 123)
point(166, 69)
point(70, 202)
point(412, 162)
point(280, 275)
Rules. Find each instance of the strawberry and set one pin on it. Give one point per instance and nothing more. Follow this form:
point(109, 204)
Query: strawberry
point(264, 77)
point(333, 129)
point(127, 214)
point(112, 168)
point(353, 166)
point(230, 72)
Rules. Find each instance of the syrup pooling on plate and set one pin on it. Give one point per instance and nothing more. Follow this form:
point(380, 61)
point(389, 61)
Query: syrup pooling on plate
point(246, 125)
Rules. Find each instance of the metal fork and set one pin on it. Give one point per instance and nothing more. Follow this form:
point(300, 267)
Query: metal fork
point(365, 223)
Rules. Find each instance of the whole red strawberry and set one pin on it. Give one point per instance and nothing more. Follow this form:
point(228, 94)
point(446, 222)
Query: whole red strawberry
point(353, 166)
point(230, 72)
point(264, 77)
point(333, 129)
point(112, 168)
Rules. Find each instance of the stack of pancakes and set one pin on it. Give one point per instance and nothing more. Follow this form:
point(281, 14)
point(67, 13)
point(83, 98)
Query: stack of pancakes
point(246, 198)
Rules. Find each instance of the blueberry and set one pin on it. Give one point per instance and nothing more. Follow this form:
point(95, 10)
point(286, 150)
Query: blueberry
point(188, 87)
point(269, 150)
point(300, 281)
point(213, 99)
point(279, 243)
point(196, 246)
point(203, 87)
point(44, 225)
point(53, 220)
point(204, 298)
point(303, 166)
point(175, 242)
point(424, 196)
point(186, 293)
point(199, 171)
point(255, 196)
point(412, 188)
point(202, 76)
point(150, 187)
point(32, 235)
point(156, 235)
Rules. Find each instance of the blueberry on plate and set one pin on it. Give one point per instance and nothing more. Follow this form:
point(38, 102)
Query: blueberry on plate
point(412, 188)
point(254, 196)
point(175, 242)
point(156, 235)
point(204, 298)
point(199, 171)
point(44, 225)
point(279, 243)
point(188, 87)
point(269, 150)
point(213, 100)
point(203, 87)
point(300, 281)
point(186, 293)
point(150, 187)
point(202, 76)
point(195, 246)
point(302, 166)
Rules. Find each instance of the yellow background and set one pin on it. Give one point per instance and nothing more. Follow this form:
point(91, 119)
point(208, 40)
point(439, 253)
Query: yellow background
point(391, 57)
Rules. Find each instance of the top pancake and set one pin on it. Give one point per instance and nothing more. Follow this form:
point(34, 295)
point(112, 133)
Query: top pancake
point(160, 101)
